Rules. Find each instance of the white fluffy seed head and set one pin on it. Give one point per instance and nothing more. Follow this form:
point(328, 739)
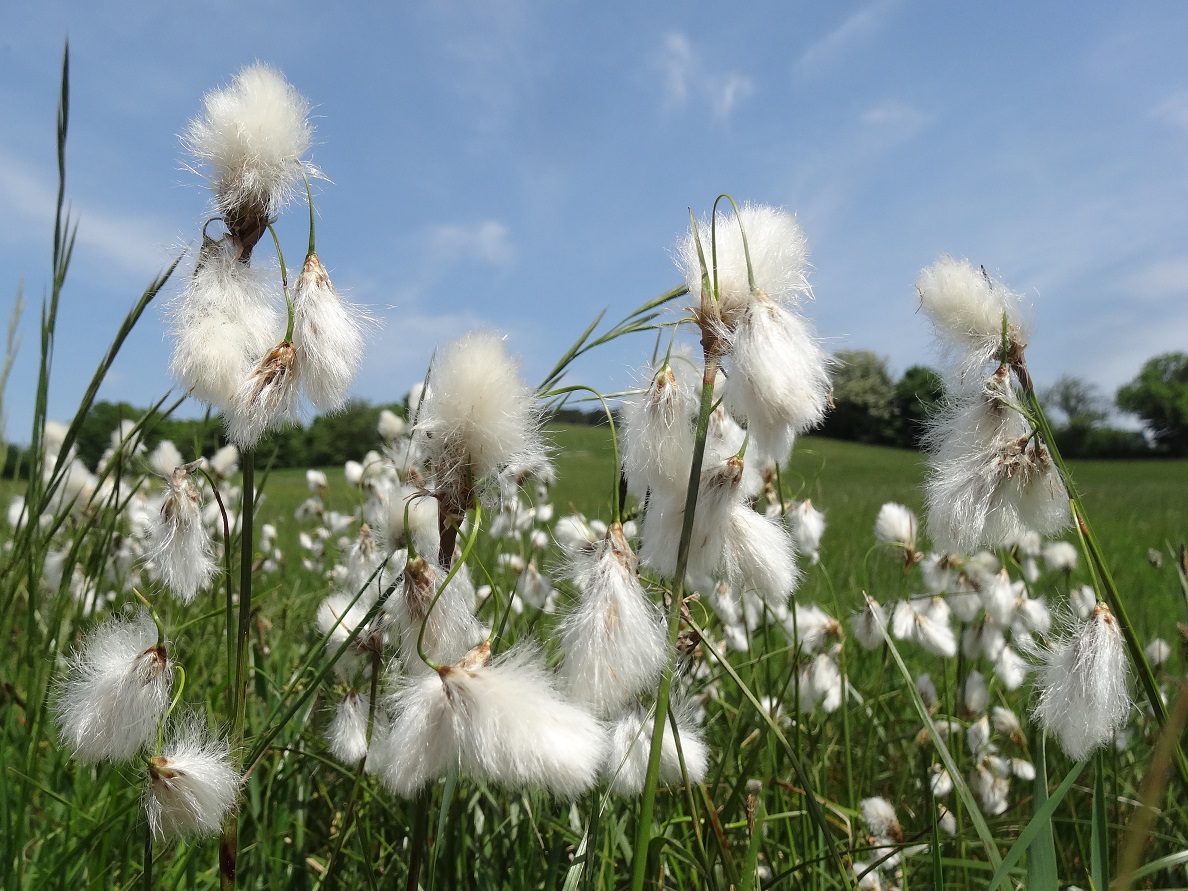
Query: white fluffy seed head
point(778, 251)
point(116, 691)
point(991, 482)
point(967, 307)
point(868, 624)
point(192, 785)
point(613, 640)
point(1061, 556)
point(897, 525)
point(656, 434)
point(267, 399)
point(223, 322)
point(347, 733)
point(477, 415)
point(759, 556)
point(328, 333)
point(180, 545)
point(1082, 685)
point(880, 819)
point(778, 383)
point(253, 135)
point(630, 743)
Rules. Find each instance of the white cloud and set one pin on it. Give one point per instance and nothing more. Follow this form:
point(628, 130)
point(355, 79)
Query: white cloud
point(486, 241)
point(859, 28)
point(1158, 280)
point(1173, 111)
point(896, 114)
point(132, 242)
point(687, 79)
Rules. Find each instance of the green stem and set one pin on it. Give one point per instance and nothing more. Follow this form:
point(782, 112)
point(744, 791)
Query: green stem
point(229, 846)
point(651, 780)
point(147, 876)
point(616, 506)
point(284, 270)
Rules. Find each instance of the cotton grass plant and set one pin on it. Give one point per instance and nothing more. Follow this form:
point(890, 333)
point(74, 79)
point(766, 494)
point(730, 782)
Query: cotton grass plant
point(429, 669)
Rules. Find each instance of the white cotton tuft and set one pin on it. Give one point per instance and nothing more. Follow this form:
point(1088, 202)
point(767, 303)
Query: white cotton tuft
point(897, 525)
point(253, 134)
point(778, 251)
point(661, 533)
point(347, 733)
point(448, 631)
point(759, 556)
point(879, 817)
point(868, 624)
point(223, 322)
point(328, 334)
point(165, 458)
point(808, 527)
point(180, 545)
point(192, 785)
point(521, 732)
point(390, 425)
point(1061, 556)
point(631, 742)
point(990, 481)
point(656, 434)
point(614, 639)
point(779, 377)
point(477, 415)
point(1082, 685)
point(116, 691)
point(967, 307)
point(421, 742)
point(267, 399)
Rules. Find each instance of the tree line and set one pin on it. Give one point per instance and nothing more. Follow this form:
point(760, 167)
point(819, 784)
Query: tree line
point(869, 406)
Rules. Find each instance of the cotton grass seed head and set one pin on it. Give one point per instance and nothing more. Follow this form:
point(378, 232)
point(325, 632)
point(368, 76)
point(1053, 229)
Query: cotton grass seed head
point(116, 690)
point(1082, 685)
point(778, 251)
point(192, 785)
point(180, 545)
point(328, 331)
point(477, 416)
point(967, 307)
point(252, 135)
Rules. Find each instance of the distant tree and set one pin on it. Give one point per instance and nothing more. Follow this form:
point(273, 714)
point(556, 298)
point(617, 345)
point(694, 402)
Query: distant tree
point(917, 396)
point(1159, 396)
point(1079, 403)
point(94, 436)
point(863, 399)
point(1078, 408)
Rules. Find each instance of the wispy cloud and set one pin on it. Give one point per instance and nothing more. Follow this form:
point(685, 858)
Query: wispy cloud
point(135, 243)
point(687, 79)
point(1159, 280)
point(1173, 111)
point(857, 29)
point(487, 241)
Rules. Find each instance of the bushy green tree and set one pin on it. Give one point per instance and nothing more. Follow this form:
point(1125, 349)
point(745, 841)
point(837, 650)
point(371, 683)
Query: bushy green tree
point(917, 395)
point(1077, 409)
point(863, 399)
point(1159, 396)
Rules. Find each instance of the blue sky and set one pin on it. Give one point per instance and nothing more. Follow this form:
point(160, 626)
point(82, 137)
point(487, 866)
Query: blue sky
point(522, 165)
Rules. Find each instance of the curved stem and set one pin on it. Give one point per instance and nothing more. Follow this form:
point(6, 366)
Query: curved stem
point(610, 419)
point(280, 256)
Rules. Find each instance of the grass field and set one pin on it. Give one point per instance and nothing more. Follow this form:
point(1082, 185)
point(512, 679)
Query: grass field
point(66, 825)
